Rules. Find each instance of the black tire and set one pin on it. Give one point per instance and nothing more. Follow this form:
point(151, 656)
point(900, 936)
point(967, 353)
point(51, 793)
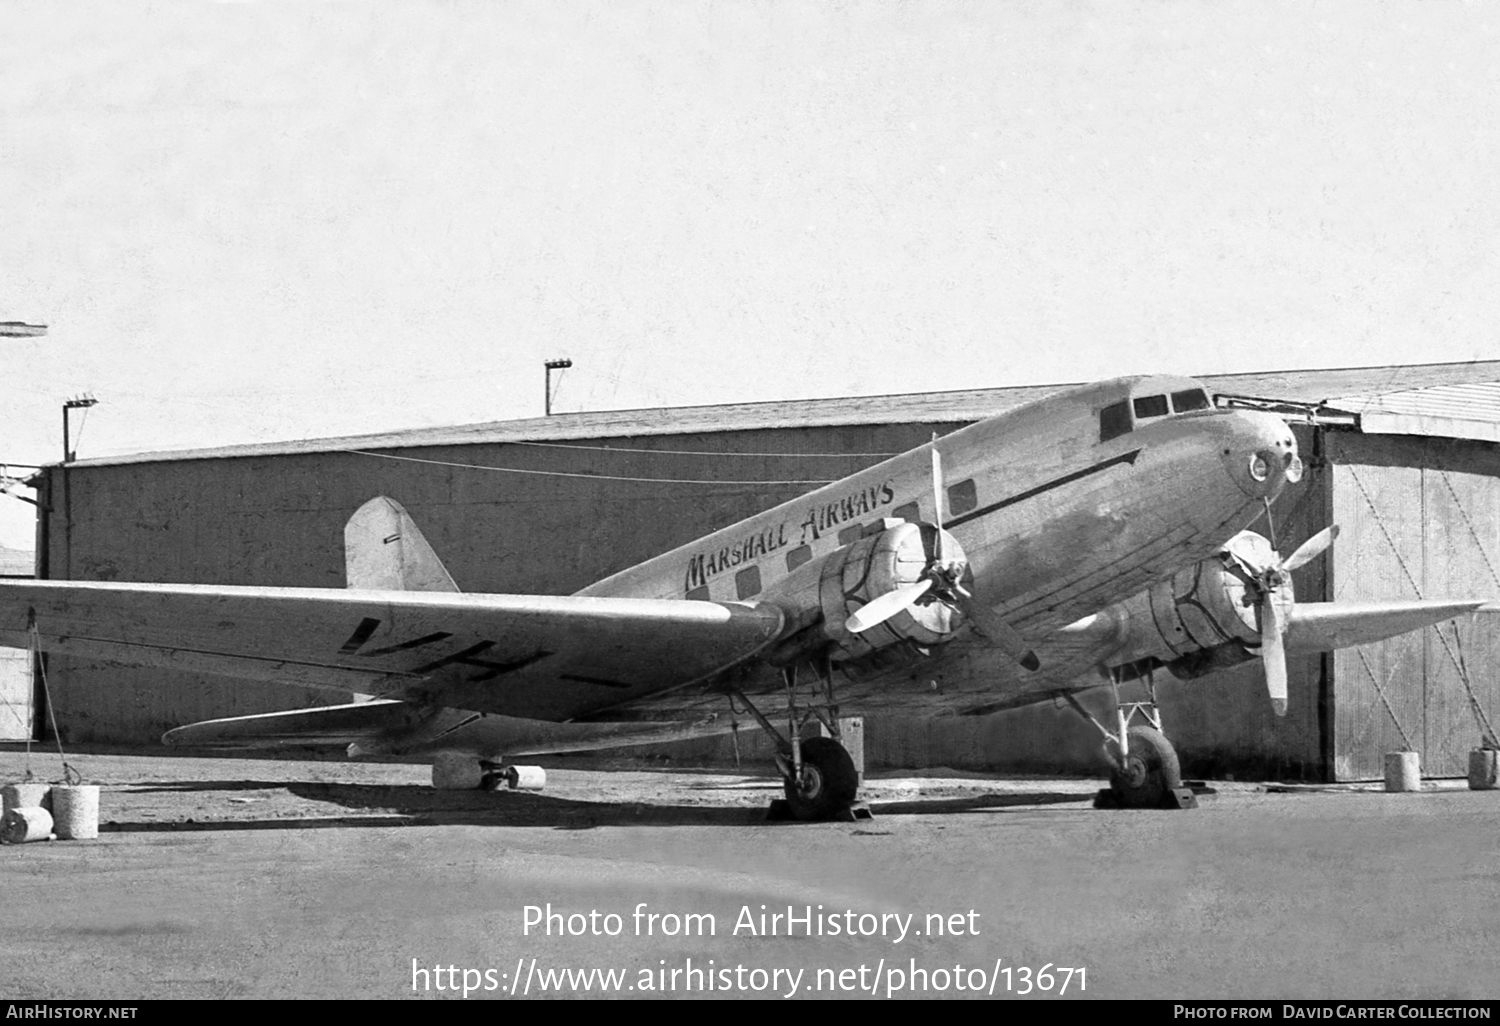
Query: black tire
point(829, 781)
point(1150, 772)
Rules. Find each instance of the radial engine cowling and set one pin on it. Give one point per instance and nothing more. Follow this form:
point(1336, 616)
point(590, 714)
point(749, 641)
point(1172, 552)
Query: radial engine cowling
point(1201, 620)
point(886, 561)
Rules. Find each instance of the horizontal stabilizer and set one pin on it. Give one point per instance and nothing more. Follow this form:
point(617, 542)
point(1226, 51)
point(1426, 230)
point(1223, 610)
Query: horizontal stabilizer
point(1325, 626)
point(398, 728)
point(329, 725)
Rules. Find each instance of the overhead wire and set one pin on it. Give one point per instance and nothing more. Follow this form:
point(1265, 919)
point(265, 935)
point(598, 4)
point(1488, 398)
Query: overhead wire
point(591, 477)
point(700, 452)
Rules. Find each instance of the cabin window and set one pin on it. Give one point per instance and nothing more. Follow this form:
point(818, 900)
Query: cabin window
point(962, 497)
point(801, 554)
point(1192, 399)
point(747, 582)
point(911, 513)
point(699, 594)
point(850, 535)
point(1114, 420)
point(1150, 406)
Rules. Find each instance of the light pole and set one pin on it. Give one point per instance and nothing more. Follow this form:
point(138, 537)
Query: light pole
point(82, 402)
point(552, 365)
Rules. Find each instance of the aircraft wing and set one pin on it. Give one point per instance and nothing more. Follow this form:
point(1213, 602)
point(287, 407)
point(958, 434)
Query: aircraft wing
point(1325, 626)
point(540, 657)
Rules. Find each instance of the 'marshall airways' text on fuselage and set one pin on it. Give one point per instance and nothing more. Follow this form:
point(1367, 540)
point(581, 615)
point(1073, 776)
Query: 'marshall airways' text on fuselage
point(703, 567)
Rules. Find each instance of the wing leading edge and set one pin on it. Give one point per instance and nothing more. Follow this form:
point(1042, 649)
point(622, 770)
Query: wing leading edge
point(541, 657)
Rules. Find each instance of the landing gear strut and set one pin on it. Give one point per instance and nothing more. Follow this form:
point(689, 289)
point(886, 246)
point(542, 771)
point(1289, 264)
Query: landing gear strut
point(818, 776)
point(1144, 772)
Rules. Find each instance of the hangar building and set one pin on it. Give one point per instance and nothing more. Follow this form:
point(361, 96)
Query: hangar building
point(1405, 459)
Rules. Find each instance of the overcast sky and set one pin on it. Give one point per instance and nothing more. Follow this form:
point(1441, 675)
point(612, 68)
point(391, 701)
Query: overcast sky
point(251, 222)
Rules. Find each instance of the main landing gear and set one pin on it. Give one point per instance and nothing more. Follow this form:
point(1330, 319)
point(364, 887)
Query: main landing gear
point(1144, 773)
point(818, 776)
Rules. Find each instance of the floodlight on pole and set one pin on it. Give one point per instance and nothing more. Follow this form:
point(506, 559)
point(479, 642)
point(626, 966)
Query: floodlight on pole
point(552, 365)
point(81, 402)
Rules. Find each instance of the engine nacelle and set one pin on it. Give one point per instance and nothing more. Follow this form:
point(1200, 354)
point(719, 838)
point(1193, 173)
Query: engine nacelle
point(1202, 619)
point(891, 557)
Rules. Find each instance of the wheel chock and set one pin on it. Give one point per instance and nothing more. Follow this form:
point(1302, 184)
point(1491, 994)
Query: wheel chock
point(779, 811)
point(1181, 798)
point(854, 812)
point(1177, 798)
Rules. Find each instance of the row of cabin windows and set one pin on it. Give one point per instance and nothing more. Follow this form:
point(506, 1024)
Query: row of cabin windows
point(1114, 419)
point(962, 498)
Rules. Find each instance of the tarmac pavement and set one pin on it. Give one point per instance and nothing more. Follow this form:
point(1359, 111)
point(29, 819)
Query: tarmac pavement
point(270, 878)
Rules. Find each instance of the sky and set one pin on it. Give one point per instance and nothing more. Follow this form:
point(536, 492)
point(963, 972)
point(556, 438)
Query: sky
point(254, 222)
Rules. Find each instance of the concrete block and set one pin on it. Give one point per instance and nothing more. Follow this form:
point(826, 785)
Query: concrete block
point(1403, 771)
point(1484, 769)
point(27, 796)
point(75, 811)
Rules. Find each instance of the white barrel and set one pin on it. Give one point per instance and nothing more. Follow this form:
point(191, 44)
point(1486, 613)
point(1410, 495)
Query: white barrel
point(75, 811)
point(1484, 769)
point(26, 823)
point(526, 778)
point(18, 796)
point(1403, 771)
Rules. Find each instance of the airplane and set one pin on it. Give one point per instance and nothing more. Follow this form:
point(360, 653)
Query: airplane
point(1088, 539)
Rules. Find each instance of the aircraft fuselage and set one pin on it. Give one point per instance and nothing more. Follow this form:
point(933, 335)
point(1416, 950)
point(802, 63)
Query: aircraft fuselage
point(1062, 506)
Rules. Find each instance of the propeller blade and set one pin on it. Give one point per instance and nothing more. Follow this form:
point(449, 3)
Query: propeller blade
point(1242, 549)
point(886, 606)
point(937, 500)
point(1311, 549)
point(1273, 652)
point(999, 633)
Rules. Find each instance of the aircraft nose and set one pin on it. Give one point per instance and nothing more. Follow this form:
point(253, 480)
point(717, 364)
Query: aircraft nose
point(1260, 454)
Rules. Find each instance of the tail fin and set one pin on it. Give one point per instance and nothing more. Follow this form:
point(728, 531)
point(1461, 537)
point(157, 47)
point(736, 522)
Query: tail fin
point(384, 550)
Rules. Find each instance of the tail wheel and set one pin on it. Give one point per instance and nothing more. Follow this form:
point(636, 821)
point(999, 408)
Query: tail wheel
point(1149, 773)
point(828, 782)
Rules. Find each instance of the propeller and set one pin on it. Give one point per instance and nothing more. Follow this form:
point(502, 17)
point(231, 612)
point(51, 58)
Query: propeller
point(945, 576)
point(1267, 577)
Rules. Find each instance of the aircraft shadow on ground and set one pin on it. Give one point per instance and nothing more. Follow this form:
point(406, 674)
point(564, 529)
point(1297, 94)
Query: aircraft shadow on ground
point(372, 805)
point(171, 786)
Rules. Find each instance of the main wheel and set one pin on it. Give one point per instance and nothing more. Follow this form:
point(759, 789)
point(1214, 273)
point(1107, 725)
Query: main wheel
point(828, 782)
point(1150, 771)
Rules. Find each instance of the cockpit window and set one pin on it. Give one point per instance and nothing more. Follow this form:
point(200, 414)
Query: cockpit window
point(1150, 406)
point(1114, 420)
point(1192, 399)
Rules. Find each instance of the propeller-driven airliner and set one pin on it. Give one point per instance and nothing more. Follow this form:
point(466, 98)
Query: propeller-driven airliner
point(1096, 536)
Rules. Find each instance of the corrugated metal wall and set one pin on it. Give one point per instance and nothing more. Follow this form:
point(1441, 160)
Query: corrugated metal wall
point(1420, 519)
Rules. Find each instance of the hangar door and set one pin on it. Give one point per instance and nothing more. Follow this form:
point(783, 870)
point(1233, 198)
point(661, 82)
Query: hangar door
point(15, 694)
point(1420, 519)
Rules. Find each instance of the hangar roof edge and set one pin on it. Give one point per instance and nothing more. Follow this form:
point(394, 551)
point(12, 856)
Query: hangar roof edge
point(1310, 386)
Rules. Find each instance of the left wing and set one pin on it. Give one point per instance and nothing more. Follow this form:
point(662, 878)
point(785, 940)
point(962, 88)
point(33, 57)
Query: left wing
point(541, 657)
